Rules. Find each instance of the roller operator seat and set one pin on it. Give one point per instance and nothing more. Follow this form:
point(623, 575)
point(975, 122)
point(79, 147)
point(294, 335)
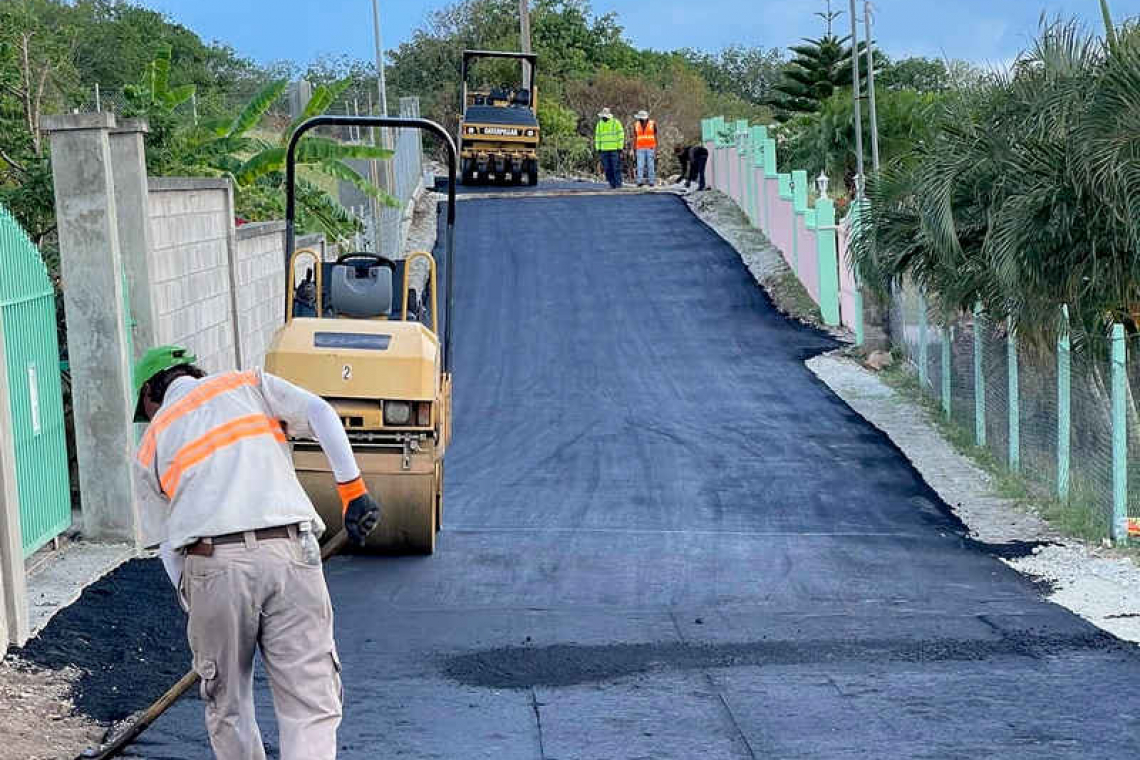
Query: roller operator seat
point(362, 286)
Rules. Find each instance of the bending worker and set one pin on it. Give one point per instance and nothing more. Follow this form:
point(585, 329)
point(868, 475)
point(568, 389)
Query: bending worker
point(238, 538)
point(645, 145)
point(609, 141)
point(692, 159)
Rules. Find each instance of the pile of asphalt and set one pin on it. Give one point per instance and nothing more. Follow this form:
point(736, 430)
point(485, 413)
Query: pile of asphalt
point(126, 634)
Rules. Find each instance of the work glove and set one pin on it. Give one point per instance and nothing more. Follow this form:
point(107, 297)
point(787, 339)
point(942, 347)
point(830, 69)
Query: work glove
point(361, 511)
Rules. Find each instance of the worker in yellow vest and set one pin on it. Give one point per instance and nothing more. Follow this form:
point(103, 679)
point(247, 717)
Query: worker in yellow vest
point(645, 144)
point(609, 141)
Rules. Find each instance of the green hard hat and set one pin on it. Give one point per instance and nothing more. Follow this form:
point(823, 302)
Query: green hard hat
point(156, 360)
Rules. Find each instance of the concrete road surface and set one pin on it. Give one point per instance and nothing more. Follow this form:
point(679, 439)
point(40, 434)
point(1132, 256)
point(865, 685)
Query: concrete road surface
point(664, 538)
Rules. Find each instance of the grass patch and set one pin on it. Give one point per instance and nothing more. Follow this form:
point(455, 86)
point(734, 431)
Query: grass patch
point(1079, 516)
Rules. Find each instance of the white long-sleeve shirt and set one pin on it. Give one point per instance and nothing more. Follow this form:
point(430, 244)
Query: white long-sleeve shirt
point(215, 459)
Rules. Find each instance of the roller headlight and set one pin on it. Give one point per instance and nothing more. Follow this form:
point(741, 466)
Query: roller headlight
point(530, 133)
point(471, 130)
point(397, 412)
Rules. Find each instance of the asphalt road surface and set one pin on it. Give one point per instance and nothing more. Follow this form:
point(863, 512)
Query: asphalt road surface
point(665, 539)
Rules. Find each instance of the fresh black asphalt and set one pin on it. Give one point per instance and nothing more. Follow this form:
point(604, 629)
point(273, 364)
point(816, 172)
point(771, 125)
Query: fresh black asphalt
point(664, 538)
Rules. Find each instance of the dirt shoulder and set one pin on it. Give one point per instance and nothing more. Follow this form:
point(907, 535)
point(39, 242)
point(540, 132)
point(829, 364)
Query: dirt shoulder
point(39, 720)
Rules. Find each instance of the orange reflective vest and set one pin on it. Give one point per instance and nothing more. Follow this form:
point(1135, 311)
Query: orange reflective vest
point(645, 137)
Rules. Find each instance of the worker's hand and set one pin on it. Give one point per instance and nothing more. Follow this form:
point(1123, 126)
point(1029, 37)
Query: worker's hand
point(361, 511)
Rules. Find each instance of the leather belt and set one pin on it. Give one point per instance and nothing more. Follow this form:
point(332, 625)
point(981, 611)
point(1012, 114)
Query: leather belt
point(202, 548)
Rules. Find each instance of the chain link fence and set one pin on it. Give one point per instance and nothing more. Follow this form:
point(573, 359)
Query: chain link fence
point(1064, 419)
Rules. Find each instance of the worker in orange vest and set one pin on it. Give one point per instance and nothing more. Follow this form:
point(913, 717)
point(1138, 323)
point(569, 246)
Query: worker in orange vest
point(645, 145)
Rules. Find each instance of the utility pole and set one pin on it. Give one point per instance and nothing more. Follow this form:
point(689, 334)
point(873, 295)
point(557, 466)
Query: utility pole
point(381, 87)
point(871, 87)
point(524, 33)
point(381, 169)
point(859, 176)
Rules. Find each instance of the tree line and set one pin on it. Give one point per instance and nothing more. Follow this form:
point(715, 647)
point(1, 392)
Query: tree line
point(58, 56)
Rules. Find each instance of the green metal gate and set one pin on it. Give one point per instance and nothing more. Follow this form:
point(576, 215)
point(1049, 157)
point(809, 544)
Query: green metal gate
point(31, 358)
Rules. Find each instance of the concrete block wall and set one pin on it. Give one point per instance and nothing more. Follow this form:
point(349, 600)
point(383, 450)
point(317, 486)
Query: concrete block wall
point(191, 230)
point(260, 278)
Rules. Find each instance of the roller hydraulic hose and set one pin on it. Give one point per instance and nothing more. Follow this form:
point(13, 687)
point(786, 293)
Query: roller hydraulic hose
point(118, 743)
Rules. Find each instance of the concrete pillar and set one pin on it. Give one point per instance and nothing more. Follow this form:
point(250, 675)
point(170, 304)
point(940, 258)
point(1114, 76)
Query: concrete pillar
point(128, 157)
point(98, 340)
point(14, 625)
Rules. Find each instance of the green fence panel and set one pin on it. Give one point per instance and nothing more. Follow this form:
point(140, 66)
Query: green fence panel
point(31, 360)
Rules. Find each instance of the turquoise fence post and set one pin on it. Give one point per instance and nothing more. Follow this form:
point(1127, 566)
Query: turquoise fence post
point(947, 342)
point(784, 188)
point(1064, 414)
point(923, 356)
point(746, 176)
point(1119, 436)
point(979, 379)
point(1014, 400)
point(705, 131)
point(828, 253)
point(759, 136)
point(800, 190)
point(769, 173)
point(799, 206)
point(741, 137)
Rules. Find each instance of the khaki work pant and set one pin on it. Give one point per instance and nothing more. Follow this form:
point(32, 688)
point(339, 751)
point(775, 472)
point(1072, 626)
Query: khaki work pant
point(262, 594)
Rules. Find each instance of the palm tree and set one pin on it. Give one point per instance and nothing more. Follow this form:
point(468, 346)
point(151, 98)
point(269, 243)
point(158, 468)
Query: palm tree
point(1028, 195)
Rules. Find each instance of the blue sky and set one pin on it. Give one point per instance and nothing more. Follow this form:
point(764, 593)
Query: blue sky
point(983, 31)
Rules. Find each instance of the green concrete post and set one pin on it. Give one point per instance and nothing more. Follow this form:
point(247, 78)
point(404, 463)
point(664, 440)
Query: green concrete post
point(923, 356)
point(759, 135)
point(979, 379)
point(800, 190)
point(749, 187)
point(860, 333)
point(785, 185)
point(947, 342)
point(1014, 401)
point(1119, 437)
point(769, 173)
point(1064, 396)
point(828, 253)
point(770, 158)
point(704, 130)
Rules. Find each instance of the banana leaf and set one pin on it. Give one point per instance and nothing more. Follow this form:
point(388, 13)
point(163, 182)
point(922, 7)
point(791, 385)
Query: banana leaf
point(256, 108)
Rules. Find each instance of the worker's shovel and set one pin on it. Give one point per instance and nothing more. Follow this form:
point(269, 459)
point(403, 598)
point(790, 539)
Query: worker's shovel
point(124, 733)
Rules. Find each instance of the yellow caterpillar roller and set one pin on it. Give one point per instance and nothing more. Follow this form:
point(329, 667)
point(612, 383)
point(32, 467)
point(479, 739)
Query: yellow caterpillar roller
point(382, 359)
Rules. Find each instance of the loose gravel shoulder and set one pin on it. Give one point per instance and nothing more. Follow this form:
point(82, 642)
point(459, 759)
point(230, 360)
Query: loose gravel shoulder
point(1092, 582)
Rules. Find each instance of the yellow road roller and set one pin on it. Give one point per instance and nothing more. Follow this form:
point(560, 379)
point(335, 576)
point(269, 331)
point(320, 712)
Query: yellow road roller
point(381, 357)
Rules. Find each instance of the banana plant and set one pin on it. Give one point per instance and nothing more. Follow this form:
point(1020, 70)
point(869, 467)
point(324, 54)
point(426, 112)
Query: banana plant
point(227, 146)
point(154, 94)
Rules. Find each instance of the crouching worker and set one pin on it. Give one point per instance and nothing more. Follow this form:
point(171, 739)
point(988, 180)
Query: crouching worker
point(692, 159)
point(238, 538)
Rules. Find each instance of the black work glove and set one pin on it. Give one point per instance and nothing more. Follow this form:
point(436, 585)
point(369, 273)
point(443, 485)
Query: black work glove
point(361, 518)
point(361, 511)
